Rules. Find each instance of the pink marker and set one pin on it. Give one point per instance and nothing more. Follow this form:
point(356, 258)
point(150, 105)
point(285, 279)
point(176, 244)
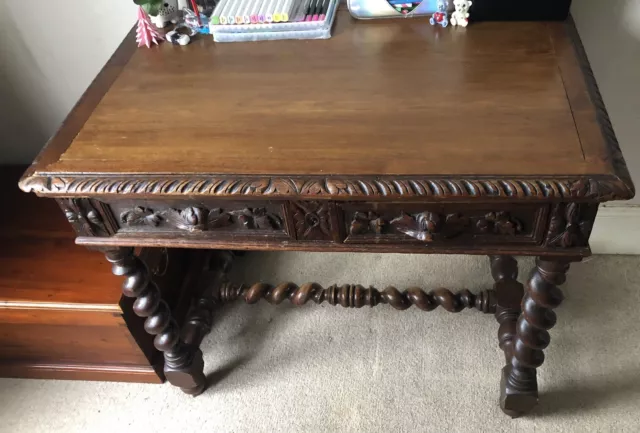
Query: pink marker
point(254, 19)
point(311, 11)
point(325, 8)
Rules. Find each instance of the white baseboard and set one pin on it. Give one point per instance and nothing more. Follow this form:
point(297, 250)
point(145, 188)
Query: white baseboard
point(616, 231)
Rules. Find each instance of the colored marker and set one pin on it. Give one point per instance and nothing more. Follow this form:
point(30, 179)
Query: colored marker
point(318, 10)
point(302, 11)
point(247, 11)
point(295, 7)
point(268, 16)
point(238, 18)
point(277, 13)
point(231, 12)
point(215, 16)
point(218, 16)
point(311, 9)
point(284, 11)
point(262, 11)
point(325, 9)
point(254, 11)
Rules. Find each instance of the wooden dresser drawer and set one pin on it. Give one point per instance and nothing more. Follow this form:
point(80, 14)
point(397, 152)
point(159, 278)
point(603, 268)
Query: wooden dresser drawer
point(219, 219)
point(447, 224)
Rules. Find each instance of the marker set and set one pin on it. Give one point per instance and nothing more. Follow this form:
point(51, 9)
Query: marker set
point(258, 20)
point(234, 12)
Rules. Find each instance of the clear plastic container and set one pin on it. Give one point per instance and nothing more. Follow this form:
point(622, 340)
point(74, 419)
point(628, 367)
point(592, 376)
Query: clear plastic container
point(368, 9)
point(276, 31)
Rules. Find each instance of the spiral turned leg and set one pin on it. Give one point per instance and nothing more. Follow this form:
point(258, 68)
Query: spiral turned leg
point(519, 387)
point(183, 366)
point(509, 292)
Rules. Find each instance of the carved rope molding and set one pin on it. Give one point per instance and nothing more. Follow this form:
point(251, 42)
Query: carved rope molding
point(599, 188)
point(606, 127)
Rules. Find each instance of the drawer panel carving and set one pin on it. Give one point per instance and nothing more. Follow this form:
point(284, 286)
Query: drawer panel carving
point(450, 224)
point(219, 218)
point(315, 221)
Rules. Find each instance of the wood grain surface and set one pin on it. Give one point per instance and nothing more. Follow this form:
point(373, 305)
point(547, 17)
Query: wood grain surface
point(384, 97)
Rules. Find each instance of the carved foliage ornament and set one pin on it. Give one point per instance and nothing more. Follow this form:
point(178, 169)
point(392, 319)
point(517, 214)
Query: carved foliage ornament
point(196, 219)
point(424, 225)
point(567, 227)
point(84, 217)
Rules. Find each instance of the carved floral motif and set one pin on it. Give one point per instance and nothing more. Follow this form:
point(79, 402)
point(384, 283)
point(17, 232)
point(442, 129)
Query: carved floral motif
point(312, 220)
point(196, 219)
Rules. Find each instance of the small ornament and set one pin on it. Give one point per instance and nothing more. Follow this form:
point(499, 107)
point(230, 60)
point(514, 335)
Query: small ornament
point(167, 13)
point(146, 33)
point(177, 38)
point(460, 17)
point(440, 16)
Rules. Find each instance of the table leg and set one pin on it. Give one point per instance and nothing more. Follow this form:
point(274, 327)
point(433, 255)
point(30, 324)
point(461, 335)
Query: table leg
point(519, 386)
point(184, 366)
point(508, 293)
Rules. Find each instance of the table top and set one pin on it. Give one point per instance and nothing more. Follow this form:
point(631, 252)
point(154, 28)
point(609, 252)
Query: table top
point(387, 108)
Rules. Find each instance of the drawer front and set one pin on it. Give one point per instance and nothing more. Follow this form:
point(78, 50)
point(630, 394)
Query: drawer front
point(395, 223)
point(335, 225)
point(230, 219)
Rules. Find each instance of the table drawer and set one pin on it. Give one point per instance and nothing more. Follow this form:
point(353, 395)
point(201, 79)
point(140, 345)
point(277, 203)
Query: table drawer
point(446, 224)
point(219, 219)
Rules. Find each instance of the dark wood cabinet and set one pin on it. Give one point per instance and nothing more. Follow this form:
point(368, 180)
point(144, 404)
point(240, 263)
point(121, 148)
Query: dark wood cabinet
point(61, 313)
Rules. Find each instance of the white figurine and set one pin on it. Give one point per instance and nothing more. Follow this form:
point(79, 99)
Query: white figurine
point(168, 13)
point(460, 17)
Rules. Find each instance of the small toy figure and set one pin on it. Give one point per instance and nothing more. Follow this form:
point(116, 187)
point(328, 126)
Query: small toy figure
point(440, 17)
point(460, 17)
point(177, 38)
point(167, 13)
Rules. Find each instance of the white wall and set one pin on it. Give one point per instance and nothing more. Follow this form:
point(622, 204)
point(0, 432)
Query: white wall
point(610, 32)
point(50, 52)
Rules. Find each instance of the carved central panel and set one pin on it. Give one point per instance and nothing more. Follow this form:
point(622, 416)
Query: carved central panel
point(394, 223)
point(424, 225)
point(199, 219)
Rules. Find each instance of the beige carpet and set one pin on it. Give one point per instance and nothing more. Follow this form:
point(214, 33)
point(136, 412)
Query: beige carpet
point(328, 369)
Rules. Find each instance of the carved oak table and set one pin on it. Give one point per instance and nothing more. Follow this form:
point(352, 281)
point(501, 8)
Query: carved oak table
point(392, 136)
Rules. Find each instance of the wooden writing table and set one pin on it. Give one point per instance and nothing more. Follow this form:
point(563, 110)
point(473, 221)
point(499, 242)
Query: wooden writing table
point(392, 136)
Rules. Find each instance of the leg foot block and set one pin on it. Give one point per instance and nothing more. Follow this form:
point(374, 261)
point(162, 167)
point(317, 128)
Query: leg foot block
point(514, 402)
point(190, 378)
